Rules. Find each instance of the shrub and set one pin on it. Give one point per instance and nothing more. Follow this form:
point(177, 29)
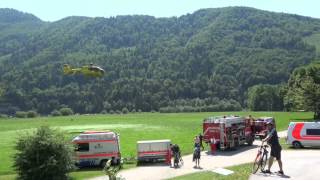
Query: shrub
point(104, 112)
point(21, 114)
point(3, 116)
point(133, 111)
point(55, 113)
point(32, 114)
point(188, 109)
point(139, 111)
point(111, 111)
point(66, 111)
point(46, 154)
point(118, 112)
point(125, 110)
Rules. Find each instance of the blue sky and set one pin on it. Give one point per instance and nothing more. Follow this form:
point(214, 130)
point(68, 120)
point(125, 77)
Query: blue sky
point(52, 10)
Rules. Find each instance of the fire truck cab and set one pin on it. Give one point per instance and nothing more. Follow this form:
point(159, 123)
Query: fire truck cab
point(228, 131)
point(260, 126)
point(94, 148)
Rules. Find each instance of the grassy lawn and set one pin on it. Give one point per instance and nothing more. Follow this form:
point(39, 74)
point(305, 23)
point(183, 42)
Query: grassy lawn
point(179, 127)
point(241, 172)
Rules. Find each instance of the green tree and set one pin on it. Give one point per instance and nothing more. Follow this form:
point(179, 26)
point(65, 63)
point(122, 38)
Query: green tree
point(66, 111)
point(46, 154)
point(304, 89)
point(265, 98)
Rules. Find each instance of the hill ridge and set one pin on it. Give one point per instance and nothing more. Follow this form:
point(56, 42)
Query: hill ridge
point(192, 61)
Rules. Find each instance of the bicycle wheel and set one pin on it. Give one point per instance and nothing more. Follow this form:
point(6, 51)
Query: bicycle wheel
point(263, 162)
point(181, 161)
point(256, 164)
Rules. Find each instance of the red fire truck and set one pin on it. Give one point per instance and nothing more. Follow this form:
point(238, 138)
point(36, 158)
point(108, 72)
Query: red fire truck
point(260, 126)
point(228, 131)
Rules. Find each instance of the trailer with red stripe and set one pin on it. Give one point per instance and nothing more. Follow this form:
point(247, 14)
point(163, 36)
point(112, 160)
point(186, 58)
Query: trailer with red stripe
point(228, 131)
point(303, 134)
point(154, 150)
point(95, 148)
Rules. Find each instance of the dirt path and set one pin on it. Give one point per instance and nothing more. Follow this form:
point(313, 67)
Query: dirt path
point(208, 162)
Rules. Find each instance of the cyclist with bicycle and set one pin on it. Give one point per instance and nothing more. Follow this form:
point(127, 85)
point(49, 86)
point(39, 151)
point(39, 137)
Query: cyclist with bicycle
point(273, 140)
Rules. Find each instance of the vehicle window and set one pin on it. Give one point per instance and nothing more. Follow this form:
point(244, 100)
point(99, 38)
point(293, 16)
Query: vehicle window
point(313, 131)
point(82, 147)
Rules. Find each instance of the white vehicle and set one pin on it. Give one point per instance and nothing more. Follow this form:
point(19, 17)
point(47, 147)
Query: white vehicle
point(153, 150)
point(94, 148)
point(303, 134)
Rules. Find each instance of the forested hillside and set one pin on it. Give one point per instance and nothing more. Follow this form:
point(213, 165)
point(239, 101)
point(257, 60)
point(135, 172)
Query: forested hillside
point(205, 61)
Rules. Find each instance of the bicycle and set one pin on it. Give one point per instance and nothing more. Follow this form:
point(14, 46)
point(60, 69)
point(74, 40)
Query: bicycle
point(261, 159)
point(181, 161)
point(178, 161)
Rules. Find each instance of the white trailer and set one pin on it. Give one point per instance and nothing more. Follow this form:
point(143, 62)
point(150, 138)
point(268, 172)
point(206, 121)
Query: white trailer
point(303, 134)
point(94, 148)
point(154, 150)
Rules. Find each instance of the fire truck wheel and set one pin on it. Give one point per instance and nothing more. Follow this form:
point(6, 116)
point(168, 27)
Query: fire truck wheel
point(103, 163)
point(296, 144)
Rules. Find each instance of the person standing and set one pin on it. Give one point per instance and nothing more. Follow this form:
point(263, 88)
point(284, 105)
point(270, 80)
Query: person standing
point(200, 141)
point(273, 140)
point(175, 149)
point(197, 152)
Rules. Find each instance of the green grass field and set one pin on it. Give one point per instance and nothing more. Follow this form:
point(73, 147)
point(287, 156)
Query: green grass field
point(179, 127)
point(241, 172)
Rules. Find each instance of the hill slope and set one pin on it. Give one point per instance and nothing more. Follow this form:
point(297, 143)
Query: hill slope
point(195, 61)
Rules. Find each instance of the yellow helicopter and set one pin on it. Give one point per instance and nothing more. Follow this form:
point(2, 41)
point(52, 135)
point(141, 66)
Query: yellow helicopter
point(87, 70)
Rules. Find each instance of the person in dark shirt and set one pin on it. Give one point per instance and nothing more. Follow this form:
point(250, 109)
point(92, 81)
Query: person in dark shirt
point(176, 154)
point(200, 141)
point(273, 140)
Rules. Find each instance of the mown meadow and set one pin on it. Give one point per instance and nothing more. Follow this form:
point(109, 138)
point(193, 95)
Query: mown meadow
point(179, 127)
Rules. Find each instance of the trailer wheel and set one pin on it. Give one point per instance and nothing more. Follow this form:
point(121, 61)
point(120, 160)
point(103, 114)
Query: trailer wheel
point(296, 144)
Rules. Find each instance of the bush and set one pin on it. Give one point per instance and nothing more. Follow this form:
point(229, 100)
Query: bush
point(46, 154)
point(111, 112)
point(55, 113)
point(104, 112)
point(133, 111)
point(3, 116)
point(125, 110)
point(66, 111)
point(118, 112)
point(32, 114)
point(21, 114)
